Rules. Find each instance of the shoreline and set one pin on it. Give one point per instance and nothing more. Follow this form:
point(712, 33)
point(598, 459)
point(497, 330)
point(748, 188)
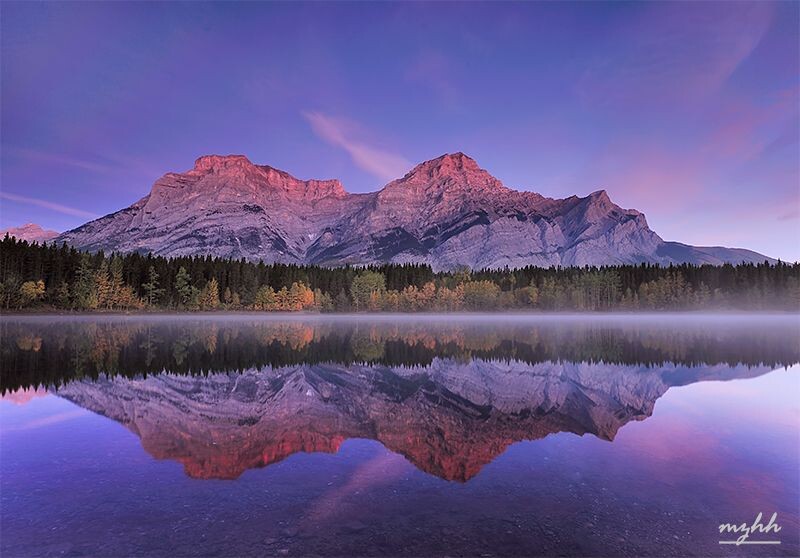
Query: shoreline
point(493, 314)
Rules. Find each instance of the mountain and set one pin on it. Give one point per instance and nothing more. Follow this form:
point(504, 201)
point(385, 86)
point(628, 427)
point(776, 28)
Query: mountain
point(446, 212)
point(30, 232)
point(449, 419)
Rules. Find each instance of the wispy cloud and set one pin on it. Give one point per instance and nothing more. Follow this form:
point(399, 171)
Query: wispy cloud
point(56, 418)
point(790, 215)
point(384, 468)
point(339, 132)
point(106, 163)
point(673, 52)
point(65, 209)
point(60, 159)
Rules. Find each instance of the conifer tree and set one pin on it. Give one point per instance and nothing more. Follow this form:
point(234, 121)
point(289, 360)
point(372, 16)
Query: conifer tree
point(152, 292)
point(62, 296)
point(364, 285)
point(183, 286)
point(83, 293)
point(265, 298)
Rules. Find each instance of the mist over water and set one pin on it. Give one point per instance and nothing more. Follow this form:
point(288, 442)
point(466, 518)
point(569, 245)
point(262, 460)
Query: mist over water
point(397, 434)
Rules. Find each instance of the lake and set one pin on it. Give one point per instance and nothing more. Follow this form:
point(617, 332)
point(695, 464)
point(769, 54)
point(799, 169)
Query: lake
point(245, 435)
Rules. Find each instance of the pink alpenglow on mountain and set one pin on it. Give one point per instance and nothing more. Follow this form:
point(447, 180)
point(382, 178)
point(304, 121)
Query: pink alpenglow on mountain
point(30, 232)
point(260, 417)
point(447, 212)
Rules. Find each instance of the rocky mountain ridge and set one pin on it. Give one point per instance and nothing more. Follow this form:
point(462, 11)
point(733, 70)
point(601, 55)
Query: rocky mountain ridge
point(447, 212)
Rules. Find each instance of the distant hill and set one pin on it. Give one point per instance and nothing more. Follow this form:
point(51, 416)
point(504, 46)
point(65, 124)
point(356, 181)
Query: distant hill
point(30, 232)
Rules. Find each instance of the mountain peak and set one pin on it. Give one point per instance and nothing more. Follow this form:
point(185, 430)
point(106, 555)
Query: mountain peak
point(600, 198)
point(458, 159)
point(452, 171)
point(237, 172)
point(213, 163)
point(447, 163)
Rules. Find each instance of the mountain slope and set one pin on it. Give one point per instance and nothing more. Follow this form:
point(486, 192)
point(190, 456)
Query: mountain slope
point(446, 212)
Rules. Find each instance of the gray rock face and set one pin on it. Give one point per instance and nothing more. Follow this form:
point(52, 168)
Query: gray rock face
point(447, 212)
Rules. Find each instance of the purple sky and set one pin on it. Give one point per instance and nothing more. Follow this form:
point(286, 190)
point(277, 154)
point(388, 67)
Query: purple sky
point(685, 111)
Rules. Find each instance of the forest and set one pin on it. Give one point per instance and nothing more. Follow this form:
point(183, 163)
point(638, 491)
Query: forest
point(54, 351)
point(42, 277)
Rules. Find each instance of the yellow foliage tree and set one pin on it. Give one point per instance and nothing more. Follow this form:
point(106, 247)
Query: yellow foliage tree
point(31, 292)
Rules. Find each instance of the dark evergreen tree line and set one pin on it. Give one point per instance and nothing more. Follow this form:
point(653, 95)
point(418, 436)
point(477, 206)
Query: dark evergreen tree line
point(59, 351)
point(61, 277)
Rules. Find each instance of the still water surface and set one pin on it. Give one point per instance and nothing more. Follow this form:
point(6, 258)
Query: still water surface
point(451, 435)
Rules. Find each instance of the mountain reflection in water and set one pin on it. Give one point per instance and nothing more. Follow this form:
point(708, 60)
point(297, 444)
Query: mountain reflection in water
point(448, 418)
point(222, 396)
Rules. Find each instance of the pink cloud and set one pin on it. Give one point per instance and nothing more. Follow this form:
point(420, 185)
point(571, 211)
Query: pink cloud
point(647, 176)
point(728, 150)
point(742, 129)
point(382, 469)
point(338, 132)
